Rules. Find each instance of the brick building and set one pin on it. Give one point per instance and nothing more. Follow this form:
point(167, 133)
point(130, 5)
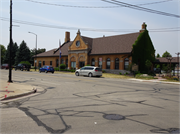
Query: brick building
point(110, 53)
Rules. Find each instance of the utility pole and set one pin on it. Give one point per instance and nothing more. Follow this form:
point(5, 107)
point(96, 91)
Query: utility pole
point(178, 64)
point(10, 47)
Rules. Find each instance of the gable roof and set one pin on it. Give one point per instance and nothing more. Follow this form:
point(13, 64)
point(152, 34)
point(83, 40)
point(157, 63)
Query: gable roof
point(114, 44)
point(50, 53)
point(104, 45)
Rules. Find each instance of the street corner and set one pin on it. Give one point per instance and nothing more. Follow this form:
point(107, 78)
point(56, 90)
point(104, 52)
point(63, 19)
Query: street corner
point(11, 91)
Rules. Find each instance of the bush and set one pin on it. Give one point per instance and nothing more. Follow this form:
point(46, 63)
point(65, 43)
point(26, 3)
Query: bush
point(103, 71)
point(25, 62)
point(120, 73)
point(88, 65)
point(62, 66)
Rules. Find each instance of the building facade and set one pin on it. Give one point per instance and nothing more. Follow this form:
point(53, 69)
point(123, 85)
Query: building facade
point(108, 53)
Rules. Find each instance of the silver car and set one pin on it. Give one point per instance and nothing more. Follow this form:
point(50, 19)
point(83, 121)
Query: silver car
point(89, 71)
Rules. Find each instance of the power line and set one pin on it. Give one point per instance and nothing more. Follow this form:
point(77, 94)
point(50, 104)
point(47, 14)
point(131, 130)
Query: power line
point(173, 29)
point(140, 8)
point(93, 6)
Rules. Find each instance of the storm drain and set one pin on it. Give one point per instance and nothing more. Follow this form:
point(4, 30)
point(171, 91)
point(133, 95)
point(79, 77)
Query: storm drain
point(113, 117)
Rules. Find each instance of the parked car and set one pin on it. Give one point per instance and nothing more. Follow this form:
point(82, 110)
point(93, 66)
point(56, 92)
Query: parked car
point(89, 71)
point(22, 67)
point(5, 66)
point(46, 69)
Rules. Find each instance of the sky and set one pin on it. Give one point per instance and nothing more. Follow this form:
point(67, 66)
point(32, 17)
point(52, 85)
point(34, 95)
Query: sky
point(49, 20)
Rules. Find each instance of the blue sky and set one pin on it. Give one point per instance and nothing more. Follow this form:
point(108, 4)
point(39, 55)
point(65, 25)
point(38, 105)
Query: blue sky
point(124, 19)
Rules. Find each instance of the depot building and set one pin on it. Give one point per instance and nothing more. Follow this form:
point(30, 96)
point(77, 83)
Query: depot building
point(108, 53)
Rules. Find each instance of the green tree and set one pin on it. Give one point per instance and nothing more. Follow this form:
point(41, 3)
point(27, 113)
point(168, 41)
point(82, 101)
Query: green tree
point(166, 54)
point(143, 50)
point(158, 56)
point(13, 53)
point(33, 53)
point(3, 52)
point(23, 53)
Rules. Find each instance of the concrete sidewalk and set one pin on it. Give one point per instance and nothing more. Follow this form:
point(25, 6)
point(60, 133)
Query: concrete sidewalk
point(14, 90)
point(159, 80)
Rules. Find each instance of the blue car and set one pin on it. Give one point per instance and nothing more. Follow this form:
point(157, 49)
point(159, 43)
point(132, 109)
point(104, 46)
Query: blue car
point(46, 69)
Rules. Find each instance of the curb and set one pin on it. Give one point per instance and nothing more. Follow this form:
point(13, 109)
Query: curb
point(155, 81)
point(16, 96)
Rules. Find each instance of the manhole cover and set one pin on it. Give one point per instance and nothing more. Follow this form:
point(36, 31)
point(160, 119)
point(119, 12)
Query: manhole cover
point(113, 117)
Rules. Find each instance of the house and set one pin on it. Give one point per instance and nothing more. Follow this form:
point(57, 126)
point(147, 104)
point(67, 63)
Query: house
point(113, 53)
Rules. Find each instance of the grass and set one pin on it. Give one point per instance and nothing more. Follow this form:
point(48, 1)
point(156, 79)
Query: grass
point(108, 75)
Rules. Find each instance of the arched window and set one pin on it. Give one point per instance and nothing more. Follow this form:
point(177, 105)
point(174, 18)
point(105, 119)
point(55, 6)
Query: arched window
point(93, 62)
point(126, 63)
point(117, 63)
point(108, 63)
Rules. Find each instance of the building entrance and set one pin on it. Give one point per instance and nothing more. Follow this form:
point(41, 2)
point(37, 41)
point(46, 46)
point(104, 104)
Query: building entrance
point(81, 64)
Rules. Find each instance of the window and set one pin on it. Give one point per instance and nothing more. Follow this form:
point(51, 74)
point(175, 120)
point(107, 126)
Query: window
point(50, 62)
point(108, 63)
point(81, 64)
point(73, 65)
point(117, 63)
point(62, 61)
point(57, 62)
point(39, 63)
point(126, 63)
point(66, 63)
point(100, 62)
point(43, 63)
point(93, 62)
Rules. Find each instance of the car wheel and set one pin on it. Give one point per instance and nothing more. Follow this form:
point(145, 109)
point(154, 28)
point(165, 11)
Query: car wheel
point(46, 71)
point(52, 72)
point(90, 74)
point(77, 74)
point(21, 69)
point(15, 69)
point(39, 71)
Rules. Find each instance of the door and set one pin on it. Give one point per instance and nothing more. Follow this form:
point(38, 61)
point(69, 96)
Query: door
point(81, 72)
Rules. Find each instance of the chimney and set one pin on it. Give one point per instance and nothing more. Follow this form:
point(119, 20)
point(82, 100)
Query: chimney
point(143, 27)
point(79, 32)
point(67, 36)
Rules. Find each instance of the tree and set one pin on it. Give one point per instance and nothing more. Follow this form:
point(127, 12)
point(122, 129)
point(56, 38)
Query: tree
point(166, 54)
point(143, 50)
point(13, 53)
point(23, 53)
point(33, 53)
point(3, 52)
point(158, 56)
point(166, 67)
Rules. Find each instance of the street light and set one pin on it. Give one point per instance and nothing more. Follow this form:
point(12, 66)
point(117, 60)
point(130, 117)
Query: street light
point(35, 50)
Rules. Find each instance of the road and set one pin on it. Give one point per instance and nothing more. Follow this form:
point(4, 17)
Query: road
point(71, 104)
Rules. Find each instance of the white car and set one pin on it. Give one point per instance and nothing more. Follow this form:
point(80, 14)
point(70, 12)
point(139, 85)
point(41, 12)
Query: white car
point(89, 71)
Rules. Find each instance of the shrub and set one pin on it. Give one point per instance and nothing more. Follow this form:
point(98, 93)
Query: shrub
point(103, 71)
point(88, 65)
point(25, 62)
point(120, 73)
point(62, 66)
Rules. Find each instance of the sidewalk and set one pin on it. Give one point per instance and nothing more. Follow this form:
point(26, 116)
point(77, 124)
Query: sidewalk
point(14, 90)
point(159, 80)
